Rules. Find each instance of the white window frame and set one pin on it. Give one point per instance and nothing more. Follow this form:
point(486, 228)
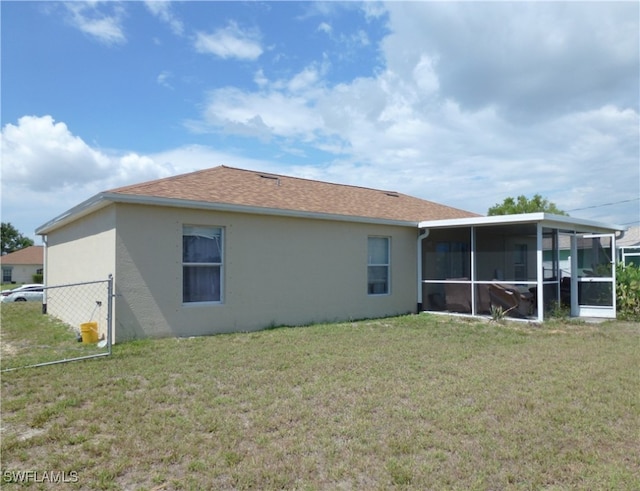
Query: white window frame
point(629, 252)
point(220, 264)
point(387, 264)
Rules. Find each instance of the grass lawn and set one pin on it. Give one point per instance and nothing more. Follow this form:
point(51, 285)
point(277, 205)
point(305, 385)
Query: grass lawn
point(414, 402)
point(27, 337)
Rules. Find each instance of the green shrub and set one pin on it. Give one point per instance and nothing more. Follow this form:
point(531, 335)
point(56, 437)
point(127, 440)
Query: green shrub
point(37, 278)
point(628, 291)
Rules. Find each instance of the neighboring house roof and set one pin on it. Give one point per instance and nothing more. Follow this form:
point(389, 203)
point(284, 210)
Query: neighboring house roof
point(228, 188)
point(33, 255)
point(631, 238)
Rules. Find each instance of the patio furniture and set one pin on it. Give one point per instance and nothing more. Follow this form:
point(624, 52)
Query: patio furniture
point(513, 302)
point(458, 297)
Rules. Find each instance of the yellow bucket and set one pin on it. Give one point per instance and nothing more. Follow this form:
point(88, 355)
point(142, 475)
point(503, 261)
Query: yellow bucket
point(89, 332)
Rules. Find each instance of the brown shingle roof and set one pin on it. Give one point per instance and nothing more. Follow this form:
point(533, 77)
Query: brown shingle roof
point(630, 238)
point(233, 186)
point(29, 255)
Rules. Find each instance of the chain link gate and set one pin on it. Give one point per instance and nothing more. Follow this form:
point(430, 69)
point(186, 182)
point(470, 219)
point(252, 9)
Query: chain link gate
point(74, 322)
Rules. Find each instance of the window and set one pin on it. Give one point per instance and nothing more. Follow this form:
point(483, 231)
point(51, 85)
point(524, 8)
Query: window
point(452, 260)
point(630, 255)
point(378, 265)
point(520, 262)
point(6, 275)
point(202, 261)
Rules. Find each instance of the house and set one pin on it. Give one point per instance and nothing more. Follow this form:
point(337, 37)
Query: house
point(20, 266)
point(225, 249)
point(629, 247)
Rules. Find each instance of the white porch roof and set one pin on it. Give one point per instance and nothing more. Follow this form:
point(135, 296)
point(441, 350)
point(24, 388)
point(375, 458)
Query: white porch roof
point(562, 222)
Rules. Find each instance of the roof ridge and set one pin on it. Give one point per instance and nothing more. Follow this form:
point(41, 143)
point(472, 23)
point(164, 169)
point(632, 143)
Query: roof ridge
point(145, 184)
point(120, 189)
point(285, 176)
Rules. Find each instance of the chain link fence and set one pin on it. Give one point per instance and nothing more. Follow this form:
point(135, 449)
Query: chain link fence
point(73, 322)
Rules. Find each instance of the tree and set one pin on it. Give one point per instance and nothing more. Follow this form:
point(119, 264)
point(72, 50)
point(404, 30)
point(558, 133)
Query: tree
point(12, 240)
point(522, 204)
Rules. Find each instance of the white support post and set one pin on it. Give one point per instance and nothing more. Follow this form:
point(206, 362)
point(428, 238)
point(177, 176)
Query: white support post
point(575, 310)
point(421, 237)
point(539, 273)
point(472, 276)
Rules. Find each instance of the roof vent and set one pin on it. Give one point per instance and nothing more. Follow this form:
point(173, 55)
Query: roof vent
point(272, 178)
point(392, 194)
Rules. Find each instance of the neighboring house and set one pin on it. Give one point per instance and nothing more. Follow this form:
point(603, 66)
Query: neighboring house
point(21, 265)
point(225, 250)
point(629, 246)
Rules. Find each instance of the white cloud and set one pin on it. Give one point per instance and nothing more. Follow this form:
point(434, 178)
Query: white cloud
point(163, 79)
point(308, 79)
point(41, 154)
point(475, 108)
point(189, 158)
point(260, 79)
point(425, 76)
point(89, 17)
point(162, 10)
point(325, 27)
point(260, 115)
point(46, 169)
point(373, 10)
point(530, 60)
point(230, 42)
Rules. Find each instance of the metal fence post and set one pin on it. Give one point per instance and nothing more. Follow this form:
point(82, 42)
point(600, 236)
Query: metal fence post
point(110, 312)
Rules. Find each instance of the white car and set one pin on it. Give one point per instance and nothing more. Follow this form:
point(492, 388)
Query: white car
point(25, 293)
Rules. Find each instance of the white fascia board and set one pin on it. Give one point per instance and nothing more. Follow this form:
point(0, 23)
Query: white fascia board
point(91, 205)
point(580, 224)
point(483, 220)
point(546, 219)
point(103, 199)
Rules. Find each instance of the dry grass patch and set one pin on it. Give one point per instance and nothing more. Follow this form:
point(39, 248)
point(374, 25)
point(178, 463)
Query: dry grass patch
point(414, 402)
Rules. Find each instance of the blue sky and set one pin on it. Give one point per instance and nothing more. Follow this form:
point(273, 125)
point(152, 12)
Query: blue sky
point(460, 103)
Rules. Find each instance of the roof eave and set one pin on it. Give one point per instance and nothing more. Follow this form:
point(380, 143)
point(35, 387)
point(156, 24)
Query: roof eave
point(87, 207)
point(103, 199)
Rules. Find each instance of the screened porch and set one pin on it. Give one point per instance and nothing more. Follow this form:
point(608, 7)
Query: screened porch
point(519, 266)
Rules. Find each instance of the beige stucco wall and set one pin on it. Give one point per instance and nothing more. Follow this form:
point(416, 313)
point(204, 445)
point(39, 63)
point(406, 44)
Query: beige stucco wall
point(277, 271)
point(83, 251)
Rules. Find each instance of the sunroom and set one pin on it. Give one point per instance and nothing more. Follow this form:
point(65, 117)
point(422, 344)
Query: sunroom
point(519, 266)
